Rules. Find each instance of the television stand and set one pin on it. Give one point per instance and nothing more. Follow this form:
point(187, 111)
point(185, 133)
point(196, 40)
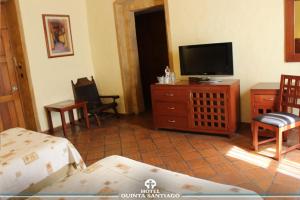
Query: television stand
point(206, 107)
point(203, 79)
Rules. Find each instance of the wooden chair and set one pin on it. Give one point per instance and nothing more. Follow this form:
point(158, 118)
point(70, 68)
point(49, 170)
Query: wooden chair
point(86, 90)
point(281, 121)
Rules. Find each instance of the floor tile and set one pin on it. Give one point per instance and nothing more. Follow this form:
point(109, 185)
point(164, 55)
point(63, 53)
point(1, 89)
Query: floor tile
point(204, 171)
point(190, 155)
point(197, 163)
point(212, 157)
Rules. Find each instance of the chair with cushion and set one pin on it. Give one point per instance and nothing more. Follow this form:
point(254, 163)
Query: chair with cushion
point(86, 90)
point(284, 120)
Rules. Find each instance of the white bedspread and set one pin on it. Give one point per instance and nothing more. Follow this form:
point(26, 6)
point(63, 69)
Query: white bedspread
point(118, 177)
point(27, 157)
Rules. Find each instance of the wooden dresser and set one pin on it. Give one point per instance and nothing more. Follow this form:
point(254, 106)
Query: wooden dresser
point(264, 98)
point(199, 107)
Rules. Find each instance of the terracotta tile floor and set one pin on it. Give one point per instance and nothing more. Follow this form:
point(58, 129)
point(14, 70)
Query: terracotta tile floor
point(215, 158)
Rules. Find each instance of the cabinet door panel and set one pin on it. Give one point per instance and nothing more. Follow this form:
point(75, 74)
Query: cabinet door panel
point(209, 109)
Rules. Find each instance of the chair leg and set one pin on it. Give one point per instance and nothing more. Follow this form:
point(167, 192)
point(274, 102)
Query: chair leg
point(254, 135)
point(97, 119)
point(279, 137)
point(116, 112)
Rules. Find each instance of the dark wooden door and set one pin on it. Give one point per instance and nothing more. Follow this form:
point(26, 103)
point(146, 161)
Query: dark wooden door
point(152, 48)
point(11, 114)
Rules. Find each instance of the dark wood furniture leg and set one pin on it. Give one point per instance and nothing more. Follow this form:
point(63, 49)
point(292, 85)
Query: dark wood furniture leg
point(49, 119)
point(86, 116)
point(71, 117)
point(63, 121)
point(116, 112)
point(97, 120)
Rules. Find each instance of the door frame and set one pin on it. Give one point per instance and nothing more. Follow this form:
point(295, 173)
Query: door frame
point(21, 64)
point(128, 50)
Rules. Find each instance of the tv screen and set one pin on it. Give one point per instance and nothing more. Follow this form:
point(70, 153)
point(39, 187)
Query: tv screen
point(206, 59)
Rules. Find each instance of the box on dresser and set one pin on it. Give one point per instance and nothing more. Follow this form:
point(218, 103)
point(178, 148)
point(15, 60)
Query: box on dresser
point(210, 107)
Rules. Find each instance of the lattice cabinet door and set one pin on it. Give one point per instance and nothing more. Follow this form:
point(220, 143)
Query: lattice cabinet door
point(209, 108)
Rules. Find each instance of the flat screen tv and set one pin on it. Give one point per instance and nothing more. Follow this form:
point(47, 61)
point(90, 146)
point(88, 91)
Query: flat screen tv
point(206, 59)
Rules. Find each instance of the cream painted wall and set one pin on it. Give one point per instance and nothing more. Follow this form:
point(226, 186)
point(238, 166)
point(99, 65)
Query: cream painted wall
point(255, 27)
point(104, 48)
point(51, 77)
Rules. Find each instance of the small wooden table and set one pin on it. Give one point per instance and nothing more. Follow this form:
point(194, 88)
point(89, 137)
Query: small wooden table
point(264, 99)
point(63, 106)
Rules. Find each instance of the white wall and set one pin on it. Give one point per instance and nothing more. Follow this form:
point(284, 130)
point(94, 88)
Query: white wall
point(51, 77)
point(255, 27)
point(104, 48)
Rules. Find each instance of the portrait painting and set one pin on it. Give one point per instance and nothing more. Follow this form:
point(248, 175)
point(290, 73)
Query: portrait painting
point(58, 36)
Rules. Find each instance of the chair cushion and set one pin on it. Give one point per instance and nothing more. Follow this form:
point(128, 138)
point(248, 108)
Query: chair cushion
point(278, 119)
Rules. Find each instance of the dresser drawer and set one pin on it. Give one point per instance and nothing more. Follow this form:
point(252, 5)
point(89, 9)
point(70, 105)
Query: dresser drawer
point(172, 122)
point(170, 95)
point(265, 99)
point(170, 108)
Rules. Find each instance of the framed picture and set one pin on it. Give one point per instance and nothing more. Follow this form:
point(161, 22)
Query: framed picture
point(58, 35)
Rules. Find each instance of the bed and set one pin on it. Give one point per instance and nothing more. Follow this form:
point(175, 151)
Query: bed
point(119, 177)
point(28, 158)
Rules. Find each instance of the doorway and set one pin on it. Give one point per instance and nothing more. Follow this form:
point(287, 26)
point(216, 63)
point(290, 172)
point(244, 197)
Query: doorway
point(16, 99)
point(152, 45)
point(124, 11)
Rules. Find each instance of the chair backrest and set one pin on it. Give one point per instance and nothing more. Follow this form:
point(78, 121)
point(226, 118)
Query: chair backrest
point(86, 90)
point(290, 94)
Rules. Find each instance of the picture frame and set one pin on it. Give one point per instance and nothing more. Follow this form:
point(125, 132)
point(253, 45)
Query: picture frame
point(57, 29)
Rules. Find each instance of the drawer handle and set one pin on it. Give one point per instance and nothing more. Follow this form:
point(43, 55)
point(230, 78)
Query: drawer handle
point(169, 94)
point(269, 99)
point(171, 121)
point(171, 108)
